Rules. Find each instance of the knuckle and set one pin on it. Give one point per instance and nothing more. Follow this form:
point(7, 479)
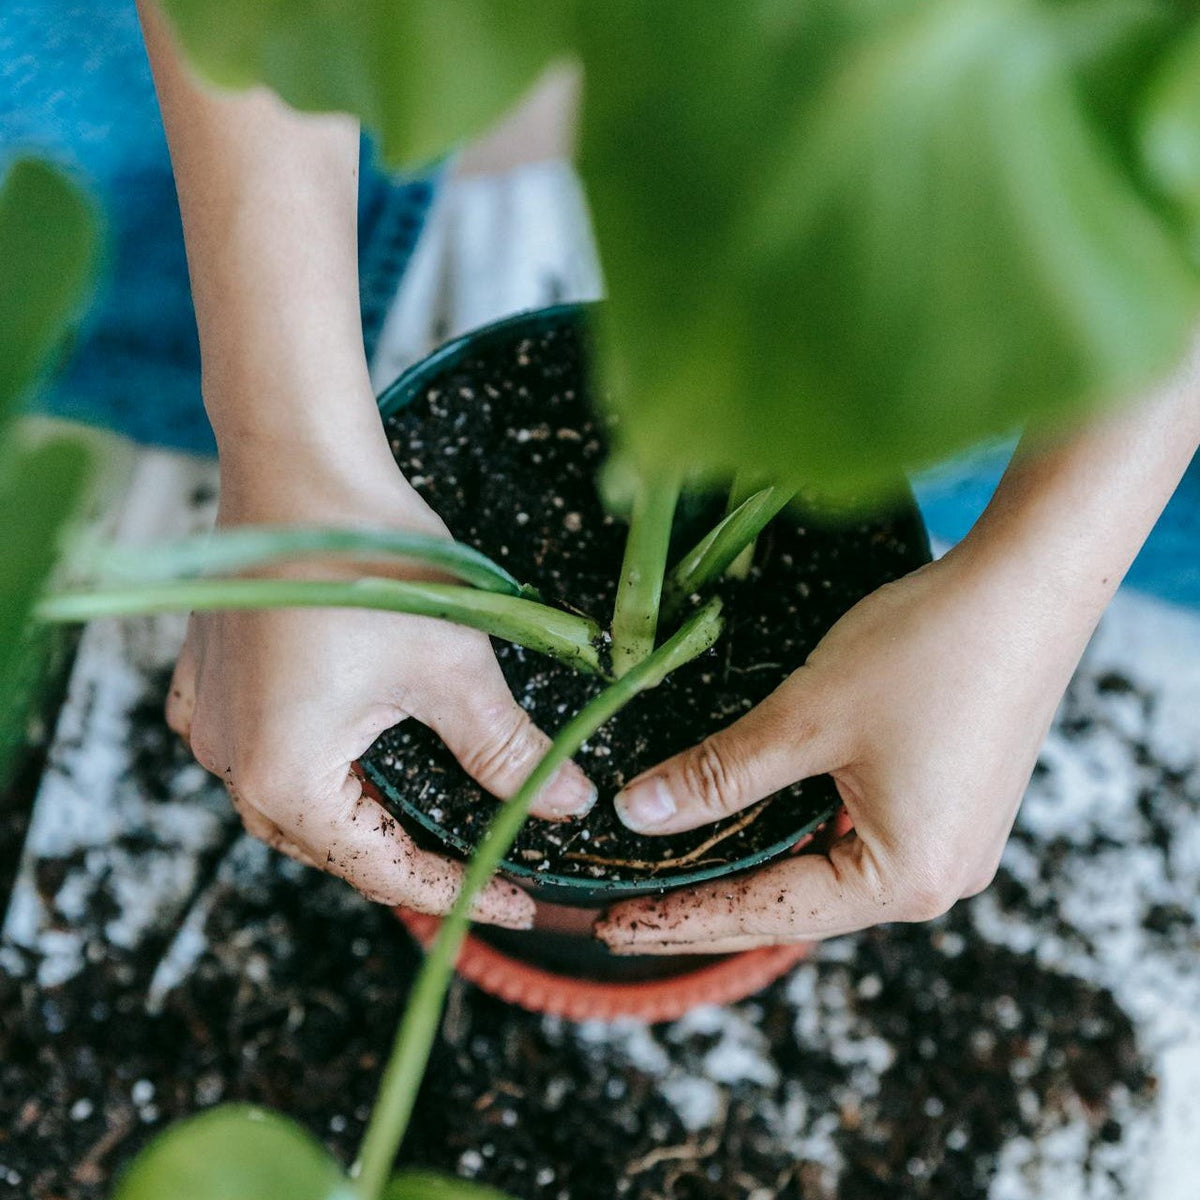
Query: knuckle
point(254, 822)
point(257, 826)
point(980, 881)
point(256, 778)
point(506, 748)
point(251, 782)
point(176, 712)
point(926, 900)
point(711, 779)
point(929, 889)
point(927, 905)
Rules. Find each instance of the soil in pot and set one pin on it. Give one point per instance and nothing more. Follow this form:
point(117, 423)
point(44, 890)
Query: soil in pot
point(505, 445)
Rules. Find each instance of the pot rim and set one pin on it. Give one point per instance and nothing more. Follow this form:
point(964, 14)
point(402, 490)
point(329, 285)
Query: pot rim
point(587, 886)
point(414, 379)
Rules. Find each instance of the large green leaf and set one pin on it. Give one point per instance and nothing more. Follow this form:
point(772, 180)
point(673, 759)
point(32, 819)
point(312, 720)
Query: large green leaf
point(48, 243)
point(424, 74)
point(234, 1152)
point(426, 1185)
point(873, 231)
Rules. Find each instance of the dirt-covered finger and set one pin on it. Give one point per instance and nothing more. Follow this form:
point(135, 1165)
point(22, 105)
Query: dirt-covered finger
point(351, 836)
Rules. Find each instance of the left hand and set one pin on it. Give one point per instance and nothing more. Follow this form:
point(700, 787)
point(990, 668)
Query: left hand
point(927, 703)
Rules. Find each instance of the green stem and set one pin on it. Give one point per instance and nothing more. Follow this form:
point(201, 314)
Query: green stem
point(712, 556)
point(572, 639)
point(226, 551)
point(739, 493)
point(635, 619)
point(422, 1014)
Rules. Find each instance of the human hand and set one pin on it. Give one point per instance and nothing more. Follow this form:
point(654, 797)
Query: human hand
point(279, 703)
point(927, 703)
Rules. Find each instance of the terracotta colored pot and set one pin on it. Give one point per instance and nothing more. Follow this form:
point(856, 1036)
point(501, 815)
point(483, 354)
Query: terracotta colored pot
point(511, 977)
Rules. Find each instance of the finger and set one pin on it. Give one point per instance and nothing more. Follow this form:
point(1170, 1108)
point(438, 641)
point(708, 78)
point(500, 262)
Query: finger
point(809, 897)
point(785, 738)
point(181, 695)
point(723, 946)
point(265, 830)
point(351, 836)
point(498, 745)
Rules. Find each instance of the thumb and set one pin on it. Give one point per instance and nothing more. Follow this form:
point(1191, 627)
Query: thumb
point(786, 738)
point(498, 745)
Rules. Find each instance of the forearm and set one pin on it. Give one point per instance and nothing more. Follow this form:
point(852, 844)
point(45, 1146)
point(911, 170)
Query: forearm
point(1070, 515)
point(269, 204)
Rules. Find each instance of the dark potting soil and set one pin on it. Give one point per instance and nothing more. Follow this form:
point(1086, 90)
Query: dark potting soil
point(506, 449)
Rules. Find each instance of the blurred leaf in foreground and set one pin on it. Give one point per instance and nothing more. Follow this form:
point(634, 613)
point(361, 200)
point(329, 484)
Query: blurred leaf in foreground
point(1171, 131)
point(846, 234)
point(234, 1152)
point(426, 1185)
point(48, 244)
point(48, 250)
point(423, 74)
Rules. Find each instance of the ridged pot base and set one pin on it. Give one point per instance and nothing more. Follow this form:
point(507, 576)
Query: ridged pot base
point(533, 988)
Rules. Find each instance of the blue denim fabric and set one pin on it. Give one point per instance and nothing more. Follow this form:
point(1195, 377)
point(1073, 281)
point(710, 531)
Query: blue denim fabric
point(75, 87)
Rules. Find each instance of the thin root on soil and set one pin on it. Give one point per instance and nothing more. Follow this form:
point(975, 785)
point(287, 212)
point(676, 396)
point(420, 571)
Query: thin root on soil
point(691, 858)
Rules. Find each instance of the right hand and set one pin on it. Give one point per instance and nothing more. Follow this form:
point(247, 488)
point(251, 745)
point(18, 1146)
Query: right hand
point(279, 703)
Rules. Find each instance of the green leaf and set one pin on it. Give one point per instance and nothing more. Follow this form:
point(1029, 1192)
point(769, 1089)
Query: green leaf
point(639, 590)
point(228, 550)
point(48, 241)
point(48, 247)
point(426, 1185)
point(840, 236)
point(38, 493)
point(234, 1152)
point(717, 551)
point(1170, 131)
point(847, 234)
point(423, 74)
point(573, 639)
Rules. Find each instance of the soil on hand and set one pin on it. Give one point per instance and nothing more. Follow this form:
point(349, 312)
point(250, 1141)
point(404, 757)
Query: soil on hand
point(507, 449)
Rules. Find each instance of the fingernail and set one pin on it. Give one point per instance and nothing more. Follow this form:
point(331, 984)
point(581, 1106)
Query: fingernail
point(646, 805)
point(570, 793)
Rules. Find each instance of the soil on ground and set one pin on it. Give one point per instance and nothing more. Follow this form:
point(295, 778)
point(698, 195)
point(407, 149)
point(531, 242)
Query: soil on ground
point(912, 1062)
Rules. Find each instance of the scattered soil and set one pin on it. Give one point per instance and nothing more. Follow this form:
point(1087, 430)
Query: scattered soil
point(907, 1063)
point(506, 449)
point(898, 1076)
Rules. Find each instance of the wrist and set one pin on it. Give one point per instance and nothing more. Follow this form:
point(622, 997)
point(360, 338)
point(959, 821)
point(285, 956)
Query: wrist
point(293, 475)
point(282, 420)
point(1026, 582)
